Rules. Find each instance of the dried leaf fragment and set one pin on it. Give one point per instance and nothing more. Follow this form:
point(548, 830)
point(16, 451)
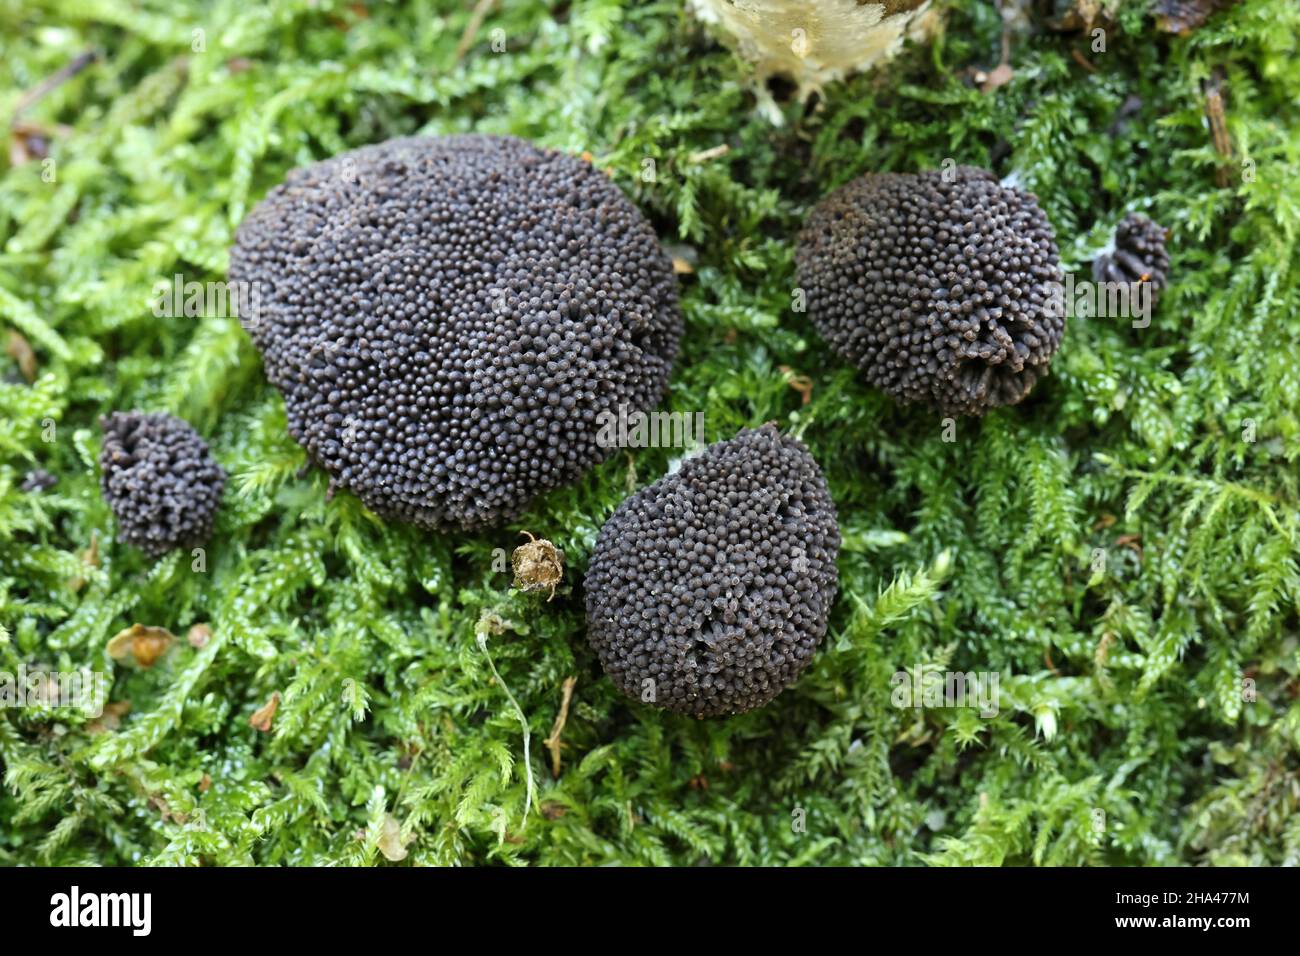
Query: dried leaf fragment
point(1000, 75)
point(20, 350)
point(140, 644)
point(391, 843)
point(262, 717)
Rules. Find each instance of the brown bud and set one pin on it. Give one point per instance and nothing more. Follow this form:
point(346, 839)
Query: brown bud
point(537, 565)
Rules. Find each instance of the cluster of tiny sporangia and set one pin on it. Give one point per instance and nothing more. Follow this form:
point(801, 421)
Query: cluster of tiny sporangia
point(1139, 254)
point(160, 480)
point(708, 591)
point(937, 285)
point(446, 318)
point(37, 480)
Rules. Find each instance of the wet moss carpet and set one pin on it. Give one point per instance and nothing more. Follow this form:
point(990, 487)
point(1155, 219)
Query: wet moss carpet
point(1120, 548)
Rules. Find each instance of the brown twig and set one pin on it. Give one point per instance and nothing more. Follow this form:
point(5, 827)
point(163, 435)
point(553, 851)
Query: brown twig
point(471, 29)
point(552, 743)
point(1216, 115)
point(802, 384)
point(1001, 74)
point(54, 81)
point(713, 152)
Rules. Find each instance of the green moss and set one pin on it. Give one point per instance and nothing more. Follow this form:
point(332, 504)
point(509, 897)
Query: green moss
point(1120, 686)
